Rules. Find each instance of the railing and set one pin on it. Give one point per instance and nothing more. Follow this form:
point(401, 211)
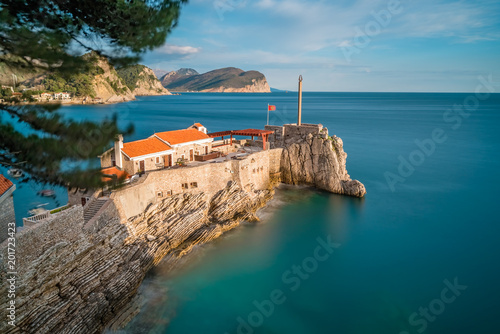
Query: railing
point(36, 218)
point(44, 215)
point(209, 156)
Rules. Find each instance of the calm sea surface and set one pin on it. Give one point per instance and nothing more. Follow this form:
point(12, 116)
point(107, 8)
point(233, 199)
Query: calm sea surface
point(423, 256)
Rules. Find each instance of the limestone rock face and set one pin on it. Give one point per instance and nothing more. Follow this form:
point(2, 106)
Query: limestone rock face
point(108, 86)
point(318, 161)
point(257, 86)
point(74, 278)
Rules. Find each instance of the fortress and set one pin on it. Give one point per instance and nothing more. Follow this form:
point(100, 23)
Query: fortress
point(79, 269)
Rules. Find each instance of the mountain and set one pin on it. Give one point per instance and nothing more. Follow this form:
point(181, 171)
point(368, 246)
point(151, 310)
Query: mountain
point(159, 73)
point(141, 80)
point(225, 80)
point(174, 76)
point(100, 84)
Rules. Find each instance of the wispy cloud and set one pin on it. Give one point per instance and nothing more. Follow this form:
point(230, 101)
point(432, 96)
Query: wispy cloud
point(178, 50)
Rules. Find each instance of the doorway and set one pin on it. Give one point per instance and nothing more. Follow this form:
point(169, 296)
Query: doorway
point(142, 168)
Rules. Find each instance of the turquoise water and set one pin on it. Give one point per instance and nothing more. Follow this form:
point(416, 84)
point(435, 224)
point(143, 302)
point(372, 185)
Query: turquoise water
point(393, 249)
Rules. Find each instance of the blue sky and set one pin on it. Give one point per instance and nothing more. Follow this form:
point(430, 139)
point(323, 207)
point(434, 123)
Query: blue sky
point(359, 45)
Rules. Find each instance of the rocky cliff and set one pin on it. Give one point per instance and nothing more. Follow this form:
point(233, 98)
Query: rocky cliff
point(320, 161)
point(142, 81)
point(78, 277)
point(75, 278)
point(225, 80)
point(109, 86)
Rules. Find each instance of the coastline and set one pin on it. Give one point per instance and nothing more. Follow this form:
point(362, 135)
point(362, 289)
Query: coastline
point(94, 268)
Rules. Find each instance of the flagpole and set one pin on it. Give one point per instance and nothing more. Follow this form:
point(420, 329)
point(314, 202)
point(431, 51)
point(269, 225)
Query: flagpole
point(268, 114)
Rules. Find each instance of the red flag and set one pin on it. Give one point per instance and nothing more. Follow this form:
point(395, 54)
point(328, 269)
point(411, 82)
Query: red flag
point(271, 108)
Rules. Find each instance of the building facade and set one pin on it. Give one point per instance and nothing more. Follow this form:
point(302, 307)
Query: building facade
point(7, 214)
point(161, 150)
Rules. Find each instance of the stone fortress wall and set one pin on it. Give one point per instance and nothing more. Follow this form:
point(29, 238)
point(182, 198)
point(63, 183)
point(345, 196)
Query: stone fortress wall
point(77, 276)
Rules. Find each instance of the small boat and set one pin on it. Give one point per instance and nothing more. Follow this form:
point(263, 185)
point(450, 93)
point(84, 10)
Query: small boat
point(15, 172)
point(47, 193)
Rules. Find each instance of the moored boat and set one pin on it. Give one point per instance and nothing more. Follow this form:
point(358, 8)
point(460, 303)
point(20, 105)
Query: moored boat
point(15, 172)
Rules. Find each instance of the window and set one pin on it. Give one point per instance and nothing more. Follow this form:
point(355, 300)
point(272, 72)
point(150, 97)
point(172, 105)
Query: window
point(158, 160)
point(185, 186)
point(169, 193)
point(194, 184)
point(160, 194)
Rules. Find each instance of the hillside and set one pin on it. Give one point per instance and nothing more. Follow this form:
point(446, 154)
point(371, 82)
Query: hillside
point(100, 84)
point(22, 75)
point(174, 76)
point(225, 80)
point(141, 80)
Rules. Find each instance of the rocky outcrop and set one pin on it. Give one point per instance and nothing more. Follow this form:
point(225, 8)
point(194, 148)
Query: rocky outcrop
point(108, 86)
point(257, 86)
point(142, 81)
point(320, 161)
point(75, 278)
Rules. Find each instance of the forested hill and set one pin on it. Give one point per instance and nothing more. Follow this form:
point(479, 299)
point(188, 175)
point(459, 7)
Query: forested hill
point(227, 80)
point(141, 80)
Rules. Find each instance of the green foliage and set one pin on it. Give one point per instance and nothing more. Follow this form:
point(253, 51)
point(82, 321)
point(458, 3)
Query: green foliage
point(131, 75)
point(60, 209)
point(5, 92)
point(79, 84)
point(41, 36)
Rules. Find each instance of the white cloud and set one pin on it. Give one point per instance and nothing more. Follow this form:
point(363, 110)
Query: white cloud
point(170, 49)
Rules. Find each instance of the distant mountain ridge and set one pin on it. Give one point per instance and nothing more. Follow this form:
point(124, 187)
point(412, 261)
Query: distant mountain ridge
point(225, 80)
point(174, 76)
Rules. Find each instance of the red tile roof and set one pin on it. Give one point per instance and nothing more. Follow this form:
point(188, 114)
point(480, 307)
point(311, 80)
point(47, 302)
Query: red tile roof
point(114, 171)
point(5, 184)
point(144, 147)
point(199, 125)
point(181, 136)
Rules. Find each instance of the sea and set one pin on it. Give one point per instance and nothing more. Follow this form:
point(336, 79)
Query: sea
point(420, 253)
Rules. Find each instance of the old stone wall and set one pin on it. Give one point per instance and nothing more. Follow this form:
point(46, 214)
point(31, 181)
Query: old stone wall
point(7, 214)
point(106, 158)
point(295, 131)
point(76, 277)
point(252, 172)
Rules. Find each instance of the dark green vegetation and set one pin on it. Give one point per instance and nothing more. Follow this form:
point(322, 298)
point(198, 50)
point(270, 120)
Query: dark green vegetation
point(229, 77)
point(79, 84)
point(50, 36)
point(133, 74)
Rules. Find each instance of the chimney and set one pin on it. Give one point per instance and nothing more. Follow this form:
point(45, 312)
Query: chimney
point(299, 121)
point(118, 151)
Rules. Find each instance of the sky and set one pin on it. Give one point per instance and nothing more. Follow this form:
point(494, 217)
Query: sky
point(341, 45)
